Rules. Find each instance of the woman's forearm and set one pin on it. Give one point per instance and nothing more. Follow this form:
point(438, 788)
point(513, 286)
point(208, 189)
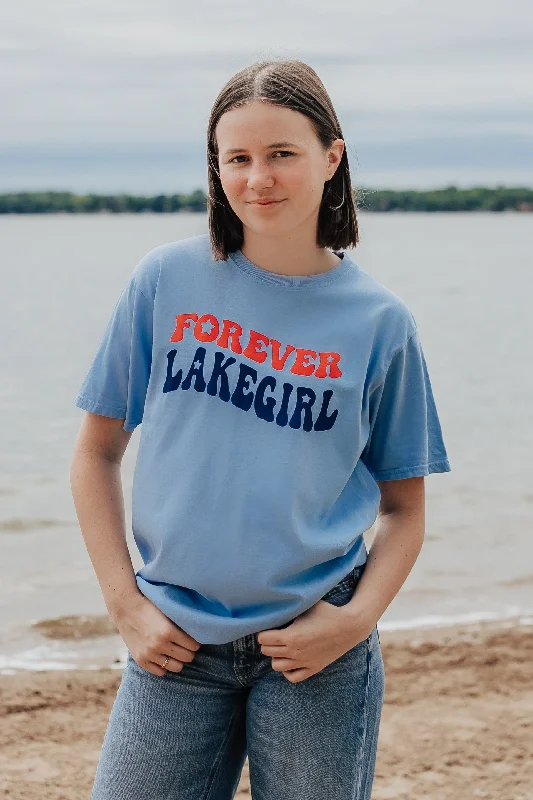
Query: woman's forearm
point(96, 486)
point(396, 546)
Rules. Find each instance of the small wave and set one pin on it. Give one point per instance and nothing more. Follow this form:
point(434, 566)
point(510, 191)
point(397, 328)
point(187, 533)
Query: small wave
point(524, 580)
point(471, 618)
point(49, 657)
point(23, 524)
point(425, 592)
point(76, 627)
point(56, 655)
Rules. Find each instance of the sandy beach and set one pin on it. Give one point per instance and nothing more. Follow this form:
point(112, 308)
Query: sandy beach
point(457, 720)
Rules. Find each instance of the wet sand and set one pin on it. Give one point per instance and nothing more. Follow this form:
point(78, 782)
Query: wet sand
point(457, 720)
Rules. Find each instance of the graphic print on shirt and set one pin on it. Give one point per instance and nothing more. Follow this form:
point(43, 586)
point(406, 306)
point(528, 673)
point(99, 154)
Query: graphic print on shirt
point(232, 380)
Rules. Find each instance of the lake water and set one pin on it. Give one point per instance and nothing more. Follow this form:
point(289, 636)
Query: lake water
point(468, 280)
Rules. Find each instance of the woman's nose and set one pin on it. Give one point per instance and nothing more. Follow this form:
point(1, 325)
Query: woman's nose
point(260, 177)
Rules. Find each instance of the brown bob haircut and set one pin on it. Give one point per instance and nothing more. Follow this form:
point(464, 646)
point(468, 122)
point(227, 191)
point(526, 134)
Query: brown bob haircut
point(292, 84)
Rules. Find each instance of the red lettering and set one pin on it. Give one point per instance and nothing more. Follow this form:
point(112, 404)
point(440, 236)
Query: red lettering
point(277, 362)
point(182, 321)
point(252, 349)
point(257, 346)
point(213, 333)
point(230, 330)
point(300, 367)
point(328, 360)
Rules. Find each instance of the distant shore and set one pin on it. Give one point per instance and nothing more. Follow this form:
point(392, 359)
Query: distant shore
point(457, 720)
point(448, 198)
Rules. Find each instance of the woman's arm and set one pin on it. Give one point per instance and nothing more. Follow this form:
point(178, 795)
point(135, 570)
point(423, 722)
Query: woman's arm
point(400, 529)
point(325, 632)
point(96, 486)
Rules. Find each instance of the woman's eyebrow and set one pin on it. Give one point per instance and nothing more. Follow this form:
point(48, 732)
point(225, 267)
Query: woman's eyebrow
point(268, 147)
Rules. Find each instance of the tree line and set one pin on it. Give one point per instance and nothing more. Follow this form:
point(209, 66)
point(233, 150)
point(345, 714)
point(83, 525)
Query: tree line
point(450, 198)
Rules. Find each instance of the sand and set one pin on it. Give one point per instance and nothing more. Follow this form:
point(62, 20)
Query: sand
point(457, 720)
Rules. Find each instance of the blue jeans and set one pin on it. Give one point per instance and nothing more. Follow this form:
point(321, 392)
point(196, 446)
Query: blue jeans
point(185, 735)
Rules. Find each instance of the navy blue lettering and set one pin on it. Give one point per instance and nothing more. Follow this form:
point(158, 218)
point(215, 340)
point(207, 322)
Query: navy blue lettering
point(199, 383)
point(264, 409)
point(282, 417)
point(323, 422)
point(219, 371)
point(172, 382)
point(244, 397)
point(303, 405)
point(240, 398)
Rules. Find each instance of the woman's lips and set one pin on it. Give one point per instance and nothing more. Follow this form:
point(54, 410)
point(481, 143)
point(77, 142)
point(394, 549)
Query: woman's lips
point(268, 204)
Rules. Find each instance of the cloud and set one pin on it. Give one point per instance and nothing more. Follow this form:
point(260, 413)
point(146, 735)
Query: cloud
point(96, 76)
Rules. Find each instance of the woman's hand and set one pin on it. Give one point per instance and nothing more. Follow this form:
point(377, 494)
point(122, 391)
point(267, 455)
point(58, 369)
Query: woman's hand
point(316, 638)
point(151, 636)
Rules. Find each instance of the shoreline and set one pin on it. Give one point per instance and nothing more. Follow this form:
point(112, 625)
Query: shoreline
point(91, 641)
point(457, 719)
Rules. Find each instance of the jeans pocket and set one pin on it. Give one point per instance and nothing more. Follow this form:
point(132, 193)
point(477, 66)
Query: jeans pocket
point(343, 591)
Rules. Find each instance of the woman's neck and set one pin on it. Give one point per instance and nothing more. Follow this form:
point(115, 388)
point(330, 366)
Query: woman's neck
point(288, 256)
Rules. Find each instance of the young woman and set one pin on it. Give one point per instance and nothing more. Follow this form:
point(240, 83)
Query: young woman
point(286, 406)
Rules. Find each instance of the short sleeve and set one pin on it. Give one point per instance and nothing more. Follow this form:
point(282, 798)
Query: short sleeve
point(117, 380)
point(405, 438)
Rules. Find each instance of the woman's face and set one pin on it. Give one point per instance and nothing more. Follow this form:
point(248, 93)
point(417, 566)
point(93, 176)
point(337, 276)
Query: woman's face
point(268, 152)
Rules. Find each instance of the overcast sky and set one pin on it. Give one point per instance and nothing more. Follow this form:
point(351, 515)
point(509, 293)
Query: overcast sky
point(114, 95)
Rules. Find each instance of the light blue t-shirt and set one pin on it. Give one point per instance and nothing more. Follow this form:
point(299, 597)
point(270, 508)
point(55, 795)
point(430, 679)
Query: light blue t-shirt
point(270, 406)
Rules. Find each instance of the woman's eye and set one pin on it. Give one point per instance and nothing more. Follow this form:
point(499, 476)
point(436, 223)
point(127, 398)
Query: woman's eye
point(283, 152)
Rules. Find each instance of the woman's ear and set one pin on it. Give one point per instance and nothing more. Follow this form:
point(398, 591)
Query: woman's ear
point(334, 156)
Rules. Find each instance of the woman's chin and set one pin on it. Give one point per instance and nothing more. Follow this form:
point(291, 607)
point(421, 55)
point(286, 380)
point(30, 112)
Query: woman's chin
point(266, 226)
